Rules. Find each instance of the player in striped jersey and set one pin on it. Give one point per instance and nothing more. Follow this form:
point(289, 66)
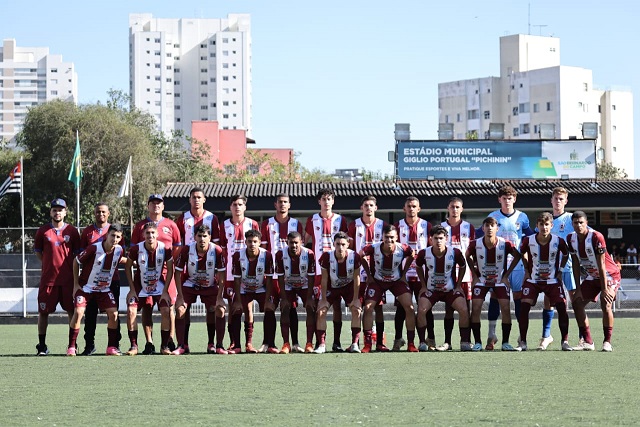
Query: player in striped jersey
point(274, 238)
point(487, 260)
point(544, 255)
point(589, 253)
point(319, 231)
point(460, 233)
point(232, 241)
point(364, 231)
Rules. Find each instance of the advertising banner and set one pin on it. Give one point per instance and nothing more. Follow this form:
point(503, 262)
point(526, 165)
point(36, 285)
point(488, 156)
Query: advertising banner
point(496, 159)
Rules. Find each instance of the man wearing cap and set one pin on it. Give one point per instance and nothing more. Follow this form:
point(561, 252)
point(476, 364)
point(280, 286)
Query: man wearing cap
point(169, 235)
point(56, 244)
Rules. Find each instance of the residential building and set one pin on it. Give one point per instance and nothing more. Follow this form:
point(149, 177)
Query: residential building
point(534, 91)
point(184, 70)
point(31, 76)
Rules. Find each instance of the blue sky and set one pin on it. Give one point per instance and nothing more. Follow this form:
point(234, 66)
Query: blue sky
point(331, 78)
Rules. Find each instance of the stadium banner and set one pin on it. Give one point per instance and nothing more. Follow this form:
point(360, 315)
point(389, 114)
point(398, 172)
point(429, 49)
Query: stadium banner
point(488, 159)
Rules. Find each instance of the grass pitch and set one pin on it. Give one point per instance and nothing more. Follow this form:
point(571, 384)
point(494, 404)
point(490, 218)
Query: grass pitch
point(453, 388)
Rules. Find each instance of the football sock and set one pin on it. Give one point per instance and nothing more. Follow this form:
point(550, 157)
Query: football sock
point(430, 324)
point(547, 317)
point(494, 311)
point(475, 327)
point(563, 320)
point(73, 337)
point(448, 329)
point(380, 332)
point(112, 337)
point(506, 331)
point(293, 325)
point(524, 320)
point(608, 331)
point(399, 321)
point(355, 335)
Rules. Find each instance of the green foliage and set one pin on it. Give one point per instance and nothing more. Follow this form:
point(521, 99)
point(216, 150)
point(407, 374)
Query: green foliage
point(608, 172)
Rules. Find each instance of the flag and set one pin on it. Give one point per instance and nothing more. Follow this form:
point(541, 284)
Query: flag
point(13, 183)
point(75, 174)
point(128, 180)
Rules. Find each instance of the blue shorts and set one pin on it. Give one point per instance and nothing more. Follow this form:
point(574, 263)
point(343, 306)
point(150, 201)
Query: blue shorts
point(516, 278)
point(568, 280)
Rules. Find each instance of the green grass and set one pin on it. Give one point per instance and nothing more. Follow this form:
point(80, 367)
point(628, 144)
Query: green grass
point(532, 388)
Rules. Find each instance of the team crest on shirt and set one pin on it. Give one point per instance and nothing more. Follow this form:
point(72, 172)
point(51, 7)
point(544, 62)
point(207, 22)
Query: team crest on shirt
point(371, 292)
point(517, 224)
point(43, 306)
point(191, 263)
point(259, 270)
point(534, 255)
point(499, 258)
point(79, 299)
point(335, 228)
point(67, 238)
point(561, 227)
point(166, 230)
point(481, 256)
point(317, 228)
point(589, 251)
point(209, 264)
point(286, 267)
point(555, 245)
point(351, 261)
point(463, 235)
point(552, 255)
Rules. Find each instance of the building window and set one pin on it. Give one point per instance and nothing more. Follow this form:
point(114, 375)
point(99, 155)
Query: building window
point(176, 46)
point(253, 169)
point(536, 108)
point(487, 114)
point(157, 91)
point(613, 107)
point(203, 82)
point(55, 70)
point(203, 45)
point(168, 67)
point(524, 129)
point(514, 111)
point(176, 82)
point(225, 116)
point(158, 103)
point(176, 95)
point(176, 58)
point(213, 42)
point(225, 65)
point(225, 53)
point(516, 131)
point(203, 95)
point(176, 70)
point(203, 58)
point(225, 103)
point(178, 120)
point(177, 107)
point(212, 79)
point(169, 80)
point(225, 40)
point(536, 129)
point(472, 114)
point(213, 105)
point(157, 53)
point(233, 65)
point(225, 78)
point(157, 65)
point(212, 54)
point(458, 118)
point(549, 106)
point(446, 118)
point(230, 169)
point(521, 85)
point(157, 78)
point(523, 108)
point(54, 92)
point(586, 87)
point(204, 107)
point(168, 55)
point(203, 70)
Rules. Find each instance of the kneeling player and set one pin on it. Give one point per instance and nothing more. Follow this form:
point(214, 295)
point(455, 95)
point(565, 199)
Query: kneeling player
point(154, 269)
point(296, 269)
point(441, 281)
point(388, 272)
point(102, 261)
point(199, 269)
point(253, 275)
point(487, 259)
point(340, 280)
point(544, 255)
point(589, 253)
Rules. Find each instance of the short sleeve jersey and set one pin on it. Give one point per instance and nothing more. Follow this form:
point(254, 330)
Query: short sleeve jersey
point(252, 272)
point(511, 228)
point(187, 224)
point(99, 267)
point(199, 269)
point(58, 248)
point(296, 271)
point(440, 271)
point(94, 234)
point(340, 273)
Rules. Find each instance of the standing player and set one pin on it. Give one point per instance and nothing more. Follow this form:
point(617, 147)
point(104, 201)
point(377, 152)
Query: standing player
point(487, 260)
point(199, 269)
point(589, 253)
point(319, 231)
point(101, 260)
point(169, 235)
point(460, 234)
point(441, 280)
point(253, 281)
point(413, 232)
point(55, 245)
point(561, 228)
point(296, 268)
point(96, 233)
point(512, 225)
point(340, 280)
point(187, 224)
point(544, 255)
point(364, 231)
point(390, 262)
point(274, 238)
point(154, 271)
point(232, 241)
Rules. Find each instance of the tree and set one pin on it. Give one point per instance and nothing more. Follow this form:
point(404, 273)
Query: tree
point(608, 172)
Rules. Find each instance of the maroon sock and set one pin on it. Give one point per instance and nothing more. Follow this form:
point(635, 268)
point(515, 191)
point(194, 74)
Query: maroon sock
point(523, 320)
point(211, 333)
point(475, 327)
point(421, 333)
point(506, 331)
point(411, 336)
point(380, 333)
point(355, 335)
point(367, 337)
point(248, 333)
point(236, 322)
point(133, 338)
point(269, 328)
point(180, 326)
point(73, 337)
point(321, 336)
point(293, 325)
point(585, 331)
point(311, 330)
point(448, 330)
point(187, 326)
point(337, 331)
point(112, 337)
point(220, 327)
point(284, 330)
point(431, 334)
point(608, 331)
point(165, 335)
point(563, 320)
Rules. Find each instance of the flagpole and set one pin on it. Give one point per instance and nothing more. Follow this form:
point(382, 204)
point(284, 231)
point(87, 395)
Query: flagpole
point(78, 193)
point(131, 193)
point(24, 262)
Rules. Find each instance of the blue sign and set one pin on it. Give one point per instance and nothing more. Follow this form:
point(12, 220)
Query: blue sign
point(573, 159)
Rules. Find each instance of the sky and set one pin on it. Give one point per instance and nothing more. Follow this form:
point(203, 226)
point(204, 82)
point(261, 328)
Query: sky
point(331, 78)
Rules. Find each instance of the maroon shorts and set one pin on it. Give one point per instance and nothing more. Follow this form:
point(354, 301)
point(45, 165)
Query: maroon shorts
point(591, 288)
point(105, 300)
point(294, 293)
point(259, 297)
point(480, 292)
point(147, 302)
point(228, 291)
point(362, 292)
point(447, 297)
point(345, 292)
point(553, 291)
point(467, 288)
point(173, 292)
point(378, 288)
point(208, 295)
point(50, 296)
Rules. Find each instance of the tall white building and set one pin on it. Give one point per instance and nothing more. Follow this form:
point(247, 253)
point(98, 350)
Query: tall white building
point(533, 90)
point(191, 69)
point(30, 76)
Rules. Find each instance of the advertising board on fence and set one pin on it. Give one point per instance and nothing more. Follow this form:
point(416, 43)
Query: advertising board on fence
point(496, 159)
